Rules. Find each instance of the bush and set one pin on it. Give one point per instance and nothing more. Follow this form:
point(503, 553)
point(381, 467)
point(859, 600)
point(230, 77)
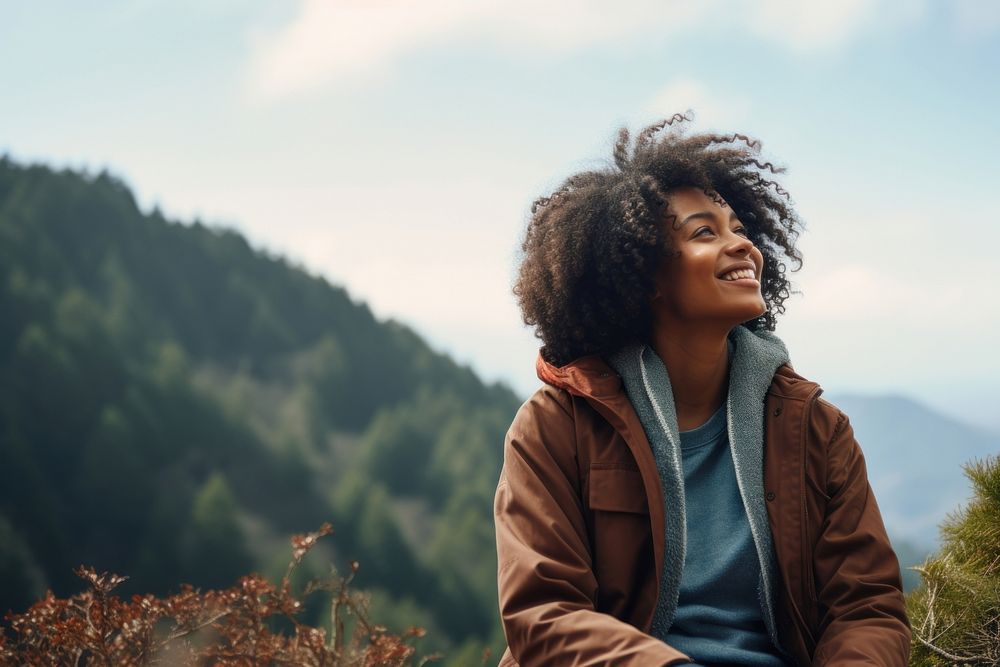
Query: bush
point(254, 622)
point(955, 613)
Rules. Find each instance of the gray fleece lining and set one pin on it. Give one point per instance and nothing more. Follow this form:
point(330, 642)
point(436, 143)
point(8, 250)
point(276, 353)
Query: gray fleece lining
point(654, 374)
point(755, 358)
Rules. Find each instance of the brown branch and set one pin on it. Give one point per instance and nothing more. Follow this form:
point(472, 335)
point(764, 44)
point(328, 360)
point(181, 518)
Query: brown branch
point(178, 634)
point(945, 654)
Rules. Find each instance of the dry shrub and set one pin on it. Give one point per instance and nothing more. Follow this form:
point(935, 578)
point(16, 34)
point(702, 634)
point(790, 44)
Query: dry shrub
point(225, 627)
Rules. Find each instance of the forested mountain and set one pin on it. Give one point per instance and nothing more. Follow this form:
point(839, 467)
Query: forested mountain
point(174, 403)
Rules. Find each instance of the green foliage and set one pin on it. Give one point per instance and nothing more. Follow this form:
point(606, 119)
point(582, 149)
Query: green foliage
point(955, 613)
point(462, 535)
point(471, 652)
point(328, 376)
point(396, 446)
point(398, 614)
point(434, 444)
point(463, 547)
point(108, 483)
point(390, 560)
point(217, 553)
point(20, 578)
point(464, 456)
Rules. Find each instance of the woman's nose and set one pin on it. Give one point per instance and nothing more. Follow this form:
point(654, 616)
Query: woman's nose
point(742, 245)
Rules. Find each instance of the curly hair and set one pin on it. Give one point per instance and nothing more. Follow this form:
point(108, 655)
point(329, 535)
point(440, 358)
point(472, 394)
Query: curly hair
point(592, 248)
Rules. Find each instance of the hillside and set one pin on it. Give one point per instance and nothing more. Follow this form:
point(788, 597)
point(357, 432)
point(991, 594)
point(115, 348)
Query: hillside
point(174, 403)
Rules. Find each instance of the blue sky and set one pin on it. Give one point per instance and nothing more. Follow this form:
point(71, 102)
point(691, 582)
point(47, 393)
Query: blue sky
point(394, 147)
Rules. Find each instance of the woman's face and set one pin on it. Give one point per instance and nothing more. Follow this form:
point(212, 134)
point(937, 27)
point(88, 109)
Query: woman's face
point(695, 284)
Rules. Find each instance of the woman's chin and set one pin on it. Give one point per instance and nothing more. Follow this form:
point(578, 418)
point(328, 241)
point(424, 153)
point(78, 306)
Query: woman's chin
point(752, 313)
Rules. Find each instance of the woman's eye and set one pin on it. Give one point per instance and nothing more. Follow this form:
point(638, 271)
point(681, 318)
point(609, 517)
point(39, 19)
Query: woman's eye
point(703, 229)
point(741, 230)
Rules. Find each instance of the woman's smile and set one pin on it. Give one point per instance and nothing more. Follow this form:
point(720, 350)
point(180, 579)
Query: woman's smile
point(741, 274)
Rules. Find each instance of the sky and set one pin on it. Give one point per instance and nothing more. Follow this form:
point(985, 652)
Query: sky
point(395, 147)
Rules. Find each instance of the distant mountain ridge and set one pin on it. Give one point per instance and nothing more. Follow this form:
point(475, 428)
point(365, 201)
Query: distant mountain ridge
point(914, 456)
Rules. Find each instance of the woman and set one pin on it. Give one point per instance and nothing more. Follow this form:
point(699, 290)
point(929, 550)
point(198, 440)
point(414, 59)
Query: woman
point(675, 493)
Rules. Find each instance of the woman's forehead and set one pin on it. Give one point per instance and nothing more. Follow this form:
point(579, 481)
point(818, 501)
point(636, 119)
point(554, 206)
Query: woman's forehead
point(689, 197)
point(685, 204)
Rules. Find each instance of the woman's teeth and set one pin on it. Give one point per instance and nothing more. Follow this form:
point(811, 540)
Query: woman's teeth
point(741, 273)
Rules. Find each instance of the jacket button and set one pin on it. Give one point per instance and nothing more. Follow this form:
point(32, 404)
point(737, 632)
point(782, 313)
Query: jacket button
point(777, 411)
point(770, 495)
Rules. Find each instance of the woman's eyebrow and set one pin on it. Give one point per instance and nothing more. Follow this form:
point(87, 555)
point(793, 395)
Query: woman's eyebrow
point(705, 215)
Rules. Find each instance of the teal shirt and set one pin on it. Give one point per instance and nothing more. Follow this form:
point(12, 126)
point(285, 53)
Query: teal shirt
point(718, 618)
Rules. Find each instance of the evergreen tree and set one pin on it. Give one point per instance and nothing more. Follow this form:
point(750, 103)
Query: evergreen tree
point(955, 614)
point(218, 553)
point(20, 578)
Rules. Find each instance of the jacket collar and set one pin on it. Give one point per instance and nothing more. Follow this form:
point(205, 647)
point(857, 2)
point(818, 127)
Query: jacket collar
point(592, 377)
point(589, 377)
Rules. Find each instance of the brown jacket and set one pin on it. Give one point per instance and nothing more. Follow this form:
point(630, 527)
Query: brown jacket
point(580, 518)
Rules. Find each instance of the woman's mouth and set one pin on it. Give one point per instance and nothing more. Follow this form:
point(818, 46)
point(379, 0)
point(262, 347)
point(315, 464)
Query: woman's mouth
point(742, 277)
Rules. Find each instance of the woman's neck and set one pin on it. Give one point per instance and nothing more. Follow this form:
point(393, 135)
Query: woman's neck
point(698, 365)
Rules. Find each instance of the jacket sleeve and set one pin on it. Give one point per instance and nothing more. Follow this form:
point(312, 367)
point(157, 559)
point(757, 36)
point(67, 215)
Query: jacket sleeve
point(547, 588)
point(862, 609)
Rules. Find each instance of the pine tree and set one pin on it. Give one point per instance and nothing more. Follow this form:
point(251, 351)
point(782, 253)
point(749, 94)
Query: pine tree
point(955, 613)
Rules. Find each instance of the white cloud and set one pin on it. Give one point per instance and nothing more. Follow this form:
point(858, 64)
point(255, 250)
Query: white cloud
point(807, 26)
point(560, 26)
point(328, 41)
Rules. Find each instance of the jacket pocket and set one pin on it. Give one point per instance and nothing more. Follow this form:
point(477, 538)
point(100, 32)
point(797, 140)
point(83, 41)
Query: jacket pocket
point(615, 487)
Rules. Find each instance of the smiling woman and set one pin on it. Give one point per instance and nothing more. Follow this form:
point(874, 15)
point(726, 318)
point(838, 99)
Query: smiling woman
point(675, 492)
